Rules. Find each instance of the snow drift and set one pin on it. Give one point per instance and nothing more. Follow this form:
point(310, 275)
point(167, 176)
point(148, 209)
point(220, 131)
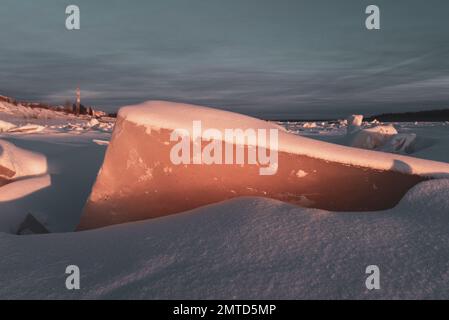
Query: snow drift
point(138, 180)
point(245, 248)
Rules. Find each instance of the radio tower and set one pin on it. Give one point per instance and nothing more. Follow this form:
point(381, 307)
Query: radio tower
point(78, 101)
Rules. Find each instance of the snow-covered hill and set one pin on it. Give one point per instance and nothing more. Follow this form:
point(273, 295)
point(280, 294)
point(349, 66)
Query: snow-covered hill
point(246, 248)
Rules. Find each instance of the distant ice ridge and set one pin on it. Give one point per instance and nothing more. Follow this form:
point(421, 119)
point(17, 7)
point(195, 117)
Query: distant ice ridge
point(417, 139)
point(379, 137)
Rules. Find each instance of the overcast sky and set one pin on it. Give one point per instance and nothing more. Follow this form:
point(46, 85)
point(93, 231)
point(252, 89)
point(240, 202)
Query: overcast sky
point(268, 58)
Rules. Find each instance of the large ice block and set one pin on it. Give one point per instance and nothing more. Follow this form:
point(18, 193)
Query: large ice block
point(138, 179)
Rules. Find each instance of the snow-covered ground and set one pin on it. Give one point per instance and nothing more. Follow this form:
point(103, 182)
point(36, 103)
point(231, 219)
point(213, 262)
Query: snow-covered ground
point(245, 248)
point(70, 147)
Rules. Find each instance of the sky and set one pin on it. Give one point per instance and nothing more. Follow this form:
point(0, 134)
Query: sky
point(275, 59)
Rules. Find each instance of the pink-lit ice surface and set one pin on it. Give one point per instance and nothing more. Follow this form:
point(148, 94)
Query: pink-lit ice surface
point(138, 179)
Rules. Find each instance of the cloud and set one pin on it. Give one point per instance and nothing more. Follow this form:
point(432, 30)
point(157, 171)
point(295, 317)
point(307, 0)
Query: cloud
point(291, 59)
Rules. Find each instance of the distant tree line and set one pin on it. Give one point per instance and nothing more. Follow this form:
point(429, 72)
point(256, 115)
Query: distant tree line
point(430, 115)
point(68, 107)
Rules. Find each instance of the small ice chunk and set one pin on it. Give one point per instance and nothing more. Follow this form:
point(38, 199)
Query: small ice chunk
point(101, 142)
point(309, 125)
point(93, 123)
point(373, 138)
point(6, 126)
point(354, 123)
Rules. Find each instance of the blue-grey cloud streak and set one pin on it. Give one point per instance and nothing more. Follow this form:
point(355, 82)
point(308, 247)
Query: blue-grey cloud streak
point(269, 58)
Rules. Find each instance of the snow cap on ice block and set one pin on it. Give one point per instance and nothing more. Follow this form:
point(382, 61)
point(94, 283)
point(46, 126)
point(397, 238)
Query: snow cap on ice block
point(146, 174)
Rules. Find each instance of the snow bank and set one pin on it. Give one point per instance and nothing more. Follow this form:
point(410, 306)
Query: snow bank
point(20, 162)
point(28, 128)
point(21, 188)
